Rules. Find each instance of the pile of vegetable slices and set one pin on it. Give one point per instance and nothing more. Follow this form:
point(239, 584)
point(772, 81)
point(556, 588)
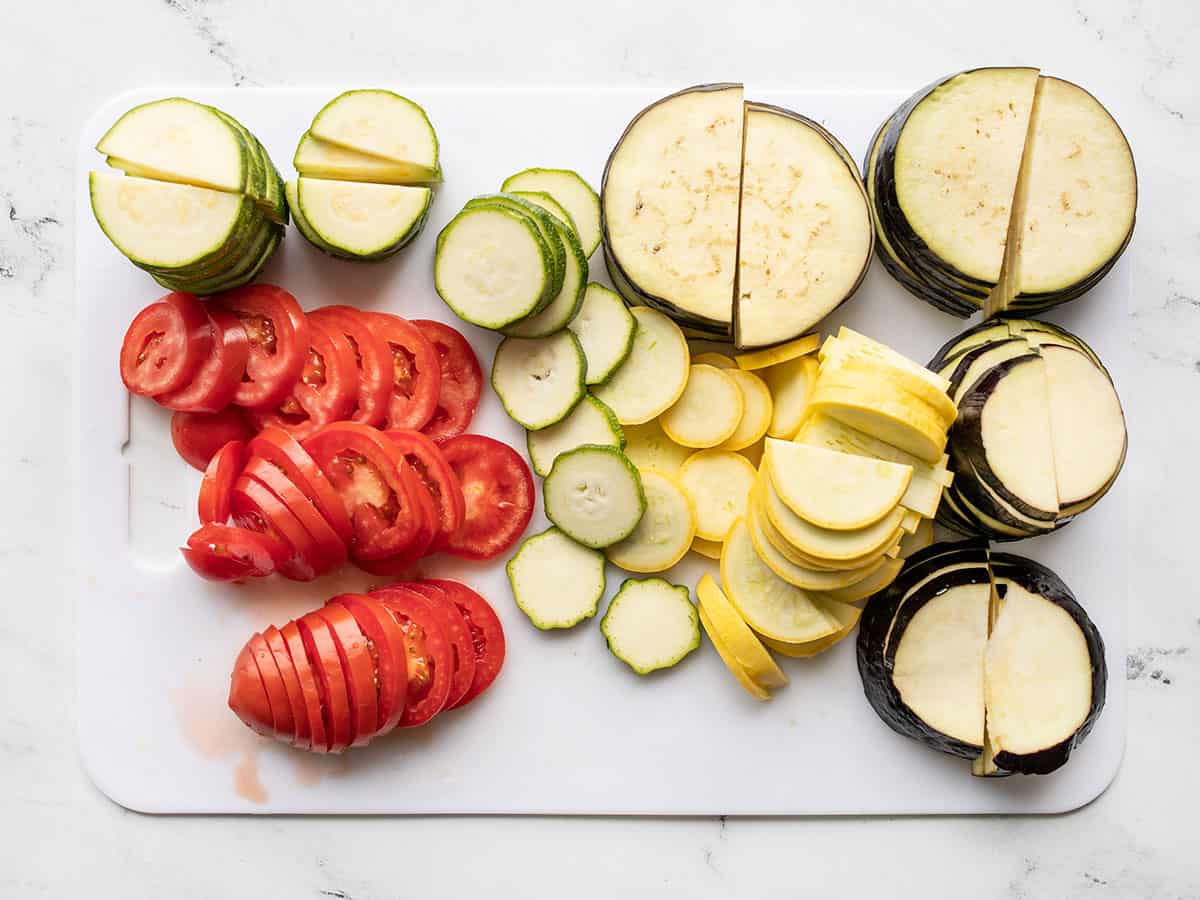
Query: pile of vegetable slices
point(365, 664)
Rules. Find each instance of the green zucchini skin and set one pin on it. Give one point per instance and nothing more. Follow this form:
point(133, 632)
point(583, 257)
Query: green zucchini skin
point(622, 595)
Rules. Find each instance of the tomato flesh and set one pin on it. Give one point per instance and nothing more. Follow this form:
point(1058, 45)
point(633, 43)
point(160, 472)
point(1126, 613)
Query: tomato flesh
point(198, 436)
point(165, 345)
point(323, 657)
point(280, 449)
point(253, 506)
point(248, 695)
point(331, 552)
point(497, 488)
point(462, 648)
point(216, 381)
point(435, 474)
point(461, 383)
point(358, 665)
point(217, 486)
point(427, 650)
point(227, 553)
point(278, 332)
point(318, 733)
point(283, 726)
point(487, 634)
point(372, 358)
point(301, 736)
point(416, 377)
point(386, 642)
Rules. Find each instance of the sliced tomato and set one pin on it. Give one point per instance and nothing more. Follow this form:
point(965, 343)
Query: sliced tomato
point(439, 479)
point(165, 345)
point(459, 635)
point(217, 485)
point(358, 664)
point(373, 358)
point(302, 733)
point(487, 634)
point(278, 333)
point(323, 657)
point(386, 642)
point(498, 490)
point(379, 490)
point(331, 552)
point(198, 436)
point(280, 449)
point(462, 381)
point(398, 564)
point(227, 553)
point(430, 659)
point(318, 725)
point(283, 726)
point(247, 693)
point(416, 377)
point(213, 386)
point(253, 506)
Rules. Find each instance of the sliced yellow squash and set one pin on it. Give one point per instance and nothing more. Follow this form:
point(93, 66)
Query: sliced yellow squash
point(719, 483)
point(753, 689)
point(708, 411)
point(743, 643)
point(754, 453)
point(710, 549)
point(757, 407)
point(916, 379)
point(664, 533)
point(803, 577)
point(909, 426)
point(791, 385)
point(847, 615)
point(773, 356)
point(649, 448)
point(712, 358)
point(861, 590)
point(859, 372)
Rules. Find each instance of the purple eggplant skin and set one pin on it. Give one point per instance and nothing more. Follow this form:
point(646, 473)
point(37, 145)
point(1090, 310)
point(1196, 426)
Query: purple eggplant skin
point(1038, 579)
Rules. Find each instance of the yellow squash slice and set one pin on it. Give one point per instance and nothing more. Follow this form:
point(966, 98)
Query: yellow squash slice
point(861, 590)
point(919, 539)
point(664, 533)
point(757, 407)
point(907, 425)
point(847, 616)
point(719, 483)
point(743, 643)
point(709, 549)
point(803, 577)
point(753, 689)
point(648, 447)
point(773, 356)
point(791, 385)
point(708, 411)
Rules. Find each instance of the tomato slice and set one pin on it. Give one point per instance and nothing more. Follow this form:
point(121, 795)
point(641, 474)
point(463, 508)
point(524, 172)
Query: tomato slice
point(301, 736)
point(318, 732)
point(416, 377)
point(278, 333)
point(460, 639)
point(398, 564)
point(386, 642)
point(280, 449)
point(462, 380)
point(331, 552)
point(439, 479)
point(213, 386)
point(198, 436)
point(217, 485)
point(283, 726)
point(226, 553)
point(358, 664)
point(323, 657)
point(165, 344)
point(247, 693)
point(487, 634)
point(498, 491)
point(373, 359)
point(253, 506)
point(427, 649)
point(379, 490)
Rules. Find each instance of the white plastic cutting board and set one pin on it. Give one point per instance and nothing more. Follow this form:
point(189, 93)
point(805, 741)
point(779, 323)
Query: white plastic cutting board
point(566, 728)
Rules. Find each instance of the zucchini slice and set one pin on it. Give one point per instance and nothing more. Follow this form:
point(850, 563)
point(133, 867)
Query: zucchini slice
point(356, 219)
point(545, 225)
point(571, 192)
point(664, 534)
point(719, 483)
point(708, 411)
point(654, 374)
point(381, 124)
point(605, 328)
point(556, 582)
point(550, 205)
point(757, 409)
point(744, 645)
point(492, 266)
point(560, 311)
point(594, 494)
point(539, 380)
point(590, 422)
point(649, 448)
point(651, 624)
point(316, 158)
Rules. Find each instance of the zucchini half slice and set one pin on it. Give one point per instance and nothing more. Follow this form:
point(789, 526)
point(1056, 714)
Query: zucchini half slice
point(381, 124)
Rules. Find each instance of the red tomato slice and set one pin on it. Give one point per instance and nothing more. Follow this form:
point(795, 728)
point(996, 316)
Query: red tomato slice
point(388, 648)
point(373, 359)
point(253, 506)
point(498, 490)
point(248, 694)
point(302, 733)
point(331, 552)
point(323, 657)
point(280, 449)
point(430, 660)
point(283, 725)
point(460, 639)
point(165, 345)
point(358, 664)
point(487, 634)
point(212, 388)
point(379, 490)
point(439, 479)
point(399, 563)
point(198, 436)
point(318, 729)
point(225, 553)
point(462, 381)
point(278, 333)
point(217, 485)
point(416, 377)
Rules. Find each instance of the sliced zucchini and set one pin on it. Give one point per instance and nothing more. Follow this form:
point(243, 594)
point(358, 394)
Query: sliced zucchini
point(382, 124)
point(539, 380)
point(664, 534)
point(550, 205)
point(649, 448)
point(556, 582)
point(651, 624)
point(752, 360)
point(744, 645)
point(356, 219)
point(571, 192)
point(594, 494)
point(492, 267)
point(719, 483)
point(551, 235)
point(707, 412)
point(757, 410)
point(560, 311)
point(590, 422)
point(605, 328)
point(316, 158)
point(654, 374)
point(791, 384)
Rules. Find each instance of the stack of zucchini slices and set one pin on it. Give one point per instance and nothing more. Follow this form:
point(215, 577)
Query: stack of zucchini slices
point(199, 205)
point(984, 656)
point(365, 168)
point(1040, 435)
point(1001, 189)
point(739, 220)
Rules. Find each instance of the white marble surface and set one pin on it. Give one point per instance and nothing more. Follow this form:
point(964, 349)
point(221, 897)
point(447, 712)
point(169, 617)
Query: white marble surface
point(60, 838)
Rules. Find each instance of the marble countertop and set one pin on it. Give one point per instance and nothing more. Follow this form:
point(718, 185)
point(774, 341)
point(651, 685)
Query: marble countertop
point(59, 837)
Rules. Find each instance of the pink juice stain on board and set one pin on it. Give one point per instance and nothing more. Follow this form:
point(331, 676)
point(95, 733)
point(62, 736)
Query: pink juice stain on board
point(213, 732)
